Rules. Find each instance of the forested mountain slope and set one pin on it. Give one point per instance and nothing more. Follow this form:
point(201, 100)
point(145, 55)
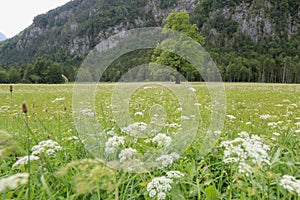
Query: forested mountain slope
point(250, 40)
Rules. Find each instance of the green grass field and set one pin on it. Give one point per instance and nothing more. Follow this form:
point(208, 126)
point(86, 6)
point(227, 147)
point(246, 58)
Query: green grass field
point(255, 157)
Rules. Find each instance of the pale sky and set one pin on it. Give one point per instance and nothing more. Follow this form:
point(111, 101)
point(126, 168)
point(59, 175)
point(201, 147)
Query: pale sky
point(16, 15)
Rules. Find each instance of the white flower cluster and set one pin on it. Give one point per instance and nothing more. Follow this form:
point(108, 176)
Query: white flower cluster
point(73, 138)
point(159, 186)
point(25, 160)
point(246, 148)
point(127, 154)
point(291, 184)
point(272, 124)
point(12, 182)
point(112, 143)
point(174, 174)
point(135, 129)
point(47, 146)
point(162, 140)
point(167, 160)
point(264, 117)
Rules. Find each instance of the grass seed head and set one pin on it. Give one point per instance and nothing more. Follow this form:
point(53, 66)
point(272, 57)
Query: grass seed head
point(24, 107)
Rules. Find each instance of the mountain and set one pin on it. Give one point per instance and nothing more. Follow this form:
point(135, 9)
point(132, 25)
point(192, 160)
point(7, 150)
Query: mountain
point(2, 37)
point(250, 40)
point(68, 33)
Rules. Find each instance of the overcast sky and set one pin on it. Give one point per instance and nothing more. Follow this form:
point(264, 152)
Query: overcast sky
point(16, 15)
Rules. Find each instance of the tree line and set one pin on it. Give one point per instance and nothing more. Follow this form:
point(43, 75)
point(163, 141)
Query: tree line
point(41, 71)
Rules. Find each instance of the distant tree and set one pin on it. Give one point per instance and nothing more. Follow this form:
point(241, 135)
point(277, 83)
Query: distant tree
point(4, 76)
point(177, 21)
point(14, 75)
point(53, 74)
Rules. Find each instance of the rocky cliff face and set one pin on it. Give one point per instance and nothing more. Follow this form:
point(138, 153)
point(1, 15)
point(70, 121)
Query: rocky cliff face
point(257, 19)
point(2, 37)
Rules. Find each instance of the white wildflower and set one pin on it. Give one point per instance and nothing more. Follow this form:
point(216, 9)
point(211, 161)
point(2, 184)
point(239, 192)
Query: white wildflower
point(246, 151)
point(167, 160)
point(244, 168)
point(47, 146)
point(294, 105)
point(185, 117)
point(264, 117)
point(174, 174)
point(162, 140)
point(58, 99)
point(152, 193)
point(248, 123)
point(127, 154)
point(286, 101)
point(87, 112)
point(135, 129)
point(297, 131)
point(278, 105)
point(73, 138)
point(272, 124)
point(25, 160)
point(112, 143)
point(173, 125)
point(159, 186)
point(139, 114)
point(13, 181)
point(192, 89)
point(275, 133)
point(161, 196)
point(231, 116)
point(175, 155)
point(297, 124)
point(111, 132)
point(291, 184)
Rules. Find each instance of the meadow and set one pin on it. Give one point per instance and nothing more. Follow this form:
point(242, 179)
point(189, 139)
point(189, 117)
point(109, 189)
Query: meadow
point(256, 154)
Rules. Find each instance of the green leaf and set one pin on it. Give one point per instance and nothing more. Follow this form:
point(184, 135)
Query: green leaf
point(212, 193)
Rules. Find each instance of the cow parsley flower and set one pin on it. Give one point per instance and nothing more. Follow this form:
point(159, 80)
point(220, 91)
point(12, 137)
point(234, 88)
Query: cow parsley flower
point(167, 160)
point(135, 129)
point(159, 186)
point(162, 140)
point(13, 181)
point(246, 151)
point(47, 146)
point(272, 124)
point(25, 160)
point(112, 143)
point(264, 117)
point(291, 184)
point(127, 154)
point(174, 174)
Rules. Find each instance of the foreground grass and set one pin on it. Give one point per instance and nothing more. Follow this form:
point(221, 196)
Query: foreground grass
point(254, 169)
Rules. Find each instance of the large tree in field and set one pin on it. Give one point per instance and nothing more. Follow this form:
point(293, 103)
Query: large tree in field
point(180, 22)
